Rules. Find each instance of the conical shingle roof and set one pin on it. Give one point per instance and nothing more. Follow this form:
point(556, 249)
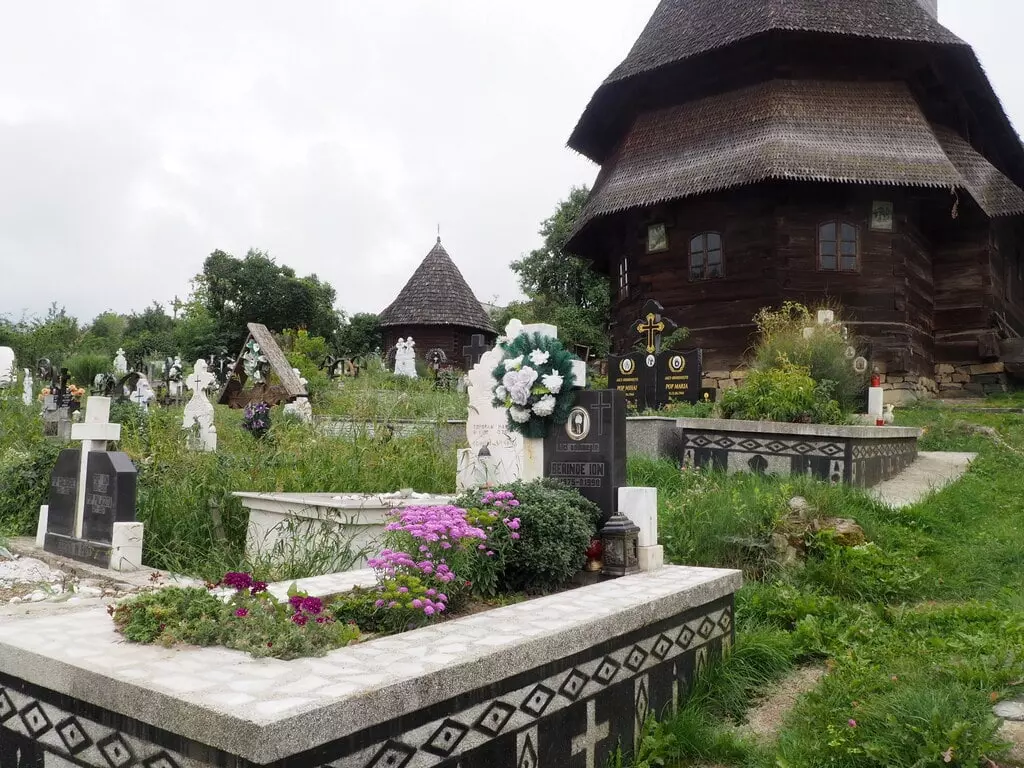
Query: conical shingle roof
point(686, 33)
point(437, 294)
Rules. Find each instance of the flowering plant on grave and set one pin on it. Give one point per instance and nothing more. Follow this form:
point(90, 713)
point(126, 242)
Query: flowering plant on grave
point(256, 419)
point(533, 383)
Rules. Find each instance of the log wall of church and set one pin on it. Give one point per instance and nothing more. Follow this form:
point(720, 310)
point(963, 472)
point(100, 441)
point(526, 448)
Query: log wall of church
point(451, 339)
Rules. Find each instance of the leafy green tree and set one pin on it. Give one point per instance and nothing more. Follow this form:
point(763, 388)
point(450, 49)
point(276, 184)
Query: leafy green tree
point(195, 333)
point(562, 289)
point(149, 333)
point(257, 289)
point(54, 336)
point(360, 336)
point(105, 333)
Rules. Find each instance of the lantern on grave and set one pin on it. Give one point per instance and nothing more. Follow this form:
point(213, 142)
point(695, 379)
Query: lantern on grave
point(620, 541)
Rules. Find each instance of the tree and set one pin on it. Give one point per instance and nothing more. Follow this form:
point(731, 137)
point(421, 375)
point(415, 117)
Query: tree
point(360, 336)
point(562, 289)
point(105, 333)
point(149, 334)
point(256, 289)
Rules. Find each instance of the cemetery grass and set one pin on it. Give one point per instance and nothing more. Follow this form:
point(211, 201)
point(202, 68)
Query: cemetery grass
point(922, 630)
point(194, 525)
point(377, 397)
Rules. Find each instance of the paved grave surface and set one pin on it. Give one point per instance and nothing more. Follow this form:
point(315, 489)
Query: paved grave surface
point(931, 471)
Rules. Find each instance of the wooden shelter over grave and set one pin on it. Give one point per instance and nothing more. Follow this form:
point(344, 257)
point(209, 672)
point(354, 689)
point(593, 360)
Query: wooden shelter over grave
point(847, 151)
point(438, 309)
point(262, 363)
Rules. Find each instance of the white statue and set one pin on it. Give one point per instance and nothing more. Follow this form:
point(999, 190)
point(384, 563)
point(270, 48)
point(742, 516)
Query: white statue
point(405, 358)
point(27, 385)
point(120, 363)
point(199, 410)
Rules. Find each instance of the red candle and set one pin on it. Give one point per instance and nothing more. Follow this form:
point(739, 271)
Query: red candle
point(876, 380)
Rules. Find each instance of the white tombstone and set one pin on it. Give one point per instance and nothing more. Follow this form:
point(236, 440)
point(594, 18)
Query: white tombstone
point(8, 367)
point(826, 317)
point(640, 505)
point(199, 412)
point(27, 388)
point(143, 394)
point(405, 358)
point(498, 455)
point(120, 363)
point(174, 383)
point(301, 409)
point(876, 403)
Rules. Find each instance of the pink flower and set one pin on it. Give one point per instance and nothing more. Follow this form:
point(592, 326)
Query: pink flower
point(443, 597)
point(429, 610)
point(852, 723)
point(514, 535)
point(417, 603)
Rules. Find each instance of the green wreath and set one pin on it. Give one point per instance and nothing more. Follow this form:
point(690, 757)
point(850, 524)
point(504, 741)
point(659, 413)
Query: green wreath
point(534, 384)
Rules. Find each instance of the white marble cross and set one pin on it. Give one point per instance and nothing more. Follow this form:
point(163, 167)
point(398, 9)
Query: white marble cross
point(94, 432)
point(120, 363)
point(27, 385)
point(199, 410)
point(596, 733)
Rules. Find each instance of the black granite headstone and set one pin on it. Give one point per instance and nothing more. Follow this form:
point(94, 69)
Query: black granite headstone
point(589, 451)
point(63, 493)
point(629, 375)
point(109, 494)
point(679, 377)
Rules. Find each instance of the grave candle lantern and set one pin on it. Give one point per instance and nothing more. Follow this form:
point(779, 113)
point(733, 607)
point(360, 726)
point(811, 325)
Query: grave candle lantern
point(620, 540)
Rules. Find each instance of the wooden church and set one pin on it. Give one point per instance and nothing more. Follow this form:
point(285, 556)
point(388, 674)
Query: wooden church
point(438, 310)
point(842, 151)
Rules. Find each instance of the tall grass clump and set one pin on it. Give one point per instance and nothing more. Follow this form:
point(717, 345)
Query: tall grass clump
point(85, 367)
point(26, 459)
point(377, 396)
point(823, 351)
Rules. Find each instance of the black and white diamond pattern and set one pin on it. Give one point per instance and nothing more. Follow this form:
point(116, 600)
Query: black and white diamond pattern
point(116, 751)
point(685, 638)
point(35, 720)
point(662, 646)
point(393, 754)
point(573, 685)
point(446, 738)
point(7, 708)
point(607, 670)
point(537, 700)
point(636, 658)
point(495, 718)
point(706, 628)
point(73, 735)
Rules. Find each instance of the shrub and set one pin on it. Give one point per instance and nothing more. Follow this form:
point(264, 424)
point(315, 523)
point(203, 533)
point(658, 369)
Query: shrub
point(250, 619)
point(556, 526)
point(824, 352)
point(24, 485)
point(783, 392)
point(85, 367)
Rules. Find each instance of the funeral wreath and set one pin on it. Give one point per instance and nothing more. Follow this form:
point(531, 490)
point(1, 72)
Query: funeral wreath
point(533, 383)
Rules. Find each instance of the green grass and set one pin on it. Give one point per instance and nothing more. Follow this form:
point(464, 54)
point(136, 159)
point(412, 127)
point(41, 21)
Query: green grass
point(922, 629)
point(378, 397)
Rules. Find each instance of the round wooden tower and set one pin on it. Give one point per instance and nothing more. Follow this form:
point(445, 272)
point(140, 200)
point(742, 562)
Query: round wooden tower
point(438, 310)
point(844, 151)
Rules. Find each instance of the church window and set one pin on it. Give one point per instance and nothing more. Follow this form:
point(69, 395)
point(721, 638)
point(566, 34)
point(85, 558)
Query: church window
point(706, 256)
point(838, 247)
point(624, 278)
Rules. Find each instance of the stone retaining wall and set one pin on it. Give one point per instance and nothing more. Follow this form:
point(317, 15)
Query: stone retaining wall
point(971, 380)
point(557, 681)
point(860, 456)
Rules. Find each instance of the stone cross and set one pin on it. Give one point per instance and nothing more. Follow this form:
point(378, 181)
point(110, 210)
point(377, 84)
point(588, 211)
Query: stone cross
point(94, 432)
point(652, 325)
point(27, 386)
point(199, 411)
point(120, 363)
point(474, 350)
point(586, 743)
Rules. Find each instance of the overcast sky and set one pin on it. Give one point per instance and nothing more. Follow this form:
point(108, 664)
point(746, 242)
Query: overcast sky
point(137, 136)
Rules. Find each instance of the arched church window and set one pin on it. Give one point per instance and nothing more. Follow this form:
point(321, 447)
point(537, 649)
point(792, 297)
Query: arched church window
point(624, 278)
point(706, 259)
point(838, 246)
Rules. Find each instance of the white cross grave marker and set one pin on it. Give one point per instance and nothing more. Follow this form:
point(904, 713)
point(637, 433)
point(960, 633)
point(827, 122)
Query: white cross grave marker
point(199, 410)
point(595, 734)
point(94, 433)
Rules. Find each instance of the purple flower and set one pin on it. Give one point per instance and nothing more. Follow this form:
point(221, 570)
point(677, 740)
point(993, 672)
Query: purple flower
point(300, 619)
point(440, 607)
point(236, 580)
point(258, 587)
point(513, 524)
point(429, 610)
point(379, 604)
point(443, 597)
point(242, 613)
point(490, 553)
point(514, 535)
point(295, 601)
point(313, 605)
point(431, 592)
point(324, 620)
point(417, 603)
point(513, 503)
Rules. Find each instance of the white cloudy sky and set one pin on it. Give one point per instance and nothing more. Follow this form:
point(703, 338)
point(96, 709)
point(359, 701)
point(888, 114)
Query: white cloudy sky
point(136, 136)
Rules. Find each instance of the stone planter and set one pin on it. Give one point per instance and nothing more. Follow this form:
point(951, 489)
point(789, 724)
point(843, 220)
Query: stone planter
point(282, 524)
point(859, 456)
point(557, 681)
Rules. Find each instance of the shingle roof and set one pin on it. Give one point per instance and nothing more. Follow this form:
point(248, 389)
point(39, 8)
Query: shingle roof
point(686, 29)
point(844, 132)
point(994, 192)
point(437, 294)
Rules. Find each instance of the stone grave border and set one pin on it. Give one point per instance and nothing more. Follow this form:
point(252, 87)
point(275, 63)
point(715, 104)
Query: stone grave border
point(565, 675)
